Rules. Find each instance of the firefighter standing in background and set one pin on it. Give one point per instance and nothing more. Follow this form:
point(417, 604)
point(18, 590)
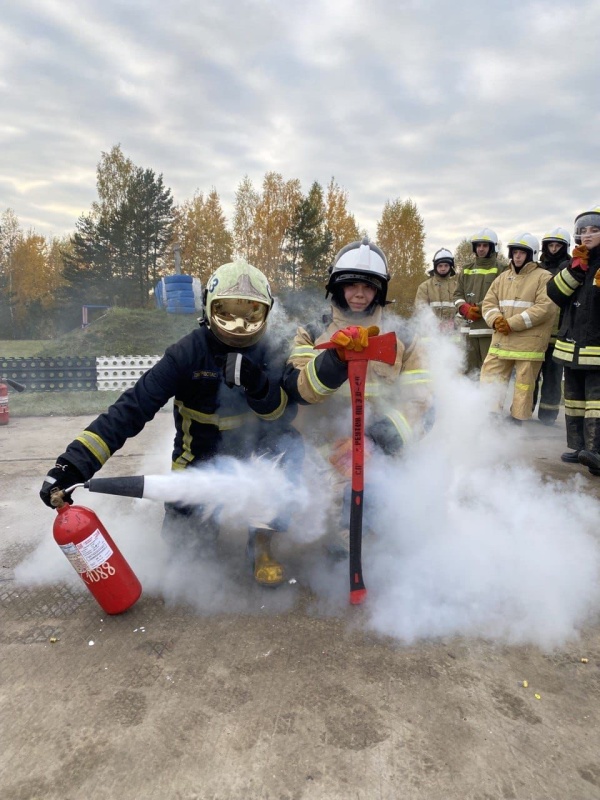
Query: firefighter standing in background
point(555, 251)
point(576, 289)
point(521, 315)
point(398, 395)
point(437, 291)
point(473, 283)
point(225, 378)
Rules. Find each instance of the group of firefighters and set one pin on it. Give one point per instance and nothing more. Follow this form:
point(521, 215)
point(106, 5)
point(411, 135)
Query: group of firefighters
point(534, 320)
point(235, 392)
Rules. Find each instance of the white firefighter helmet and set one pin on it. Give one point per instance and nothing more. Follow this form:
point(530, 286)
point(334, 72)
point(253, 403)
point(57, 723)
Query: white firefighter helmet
point(559, 235)
point(584, 220)
point(527, 242)
point(237, 302)
point(443, 256)
point(485, 236)
point(359, 262)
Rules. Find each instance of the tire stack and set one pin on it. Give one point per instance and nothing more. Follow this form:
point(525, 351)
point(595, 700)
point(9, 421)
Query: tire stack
point(179, 294)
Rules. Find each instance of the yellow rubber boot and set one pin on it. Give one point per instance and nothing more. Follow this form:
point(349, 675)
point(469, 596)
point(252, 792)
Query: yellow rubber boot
point(267, 571)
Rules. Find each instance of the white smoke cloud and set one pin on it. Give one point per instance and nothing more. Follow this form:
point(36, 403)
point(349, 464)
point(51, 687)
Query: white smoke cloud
point(469, 538)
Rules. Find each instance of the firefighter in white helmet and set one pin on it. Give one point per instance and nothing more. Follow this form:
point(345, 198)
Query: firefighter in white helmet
point(225, 378)
point(398, 395)
point(472, 285)
point(521, 315)
point(437, 291)
point(548, 387)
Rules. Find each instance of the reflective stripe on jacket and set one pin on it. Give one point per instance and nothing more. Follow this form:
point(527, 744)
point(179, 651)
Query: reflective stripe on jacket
point(401, 392)
point(575, 291)
point(209, 416)
point(473, 283)
point(522, 300)
point(438, 293)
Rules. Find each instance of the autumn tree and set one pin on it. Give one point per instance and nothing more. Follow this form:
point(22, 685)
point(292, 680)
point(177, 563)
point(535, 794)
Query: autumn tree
point(36, 279)
point(245, 239)
point(339, 221)
point(274, 214)
point(10, 234)
point(463, 255)
point(401, 235)
point(114, 175)
point(200, 228)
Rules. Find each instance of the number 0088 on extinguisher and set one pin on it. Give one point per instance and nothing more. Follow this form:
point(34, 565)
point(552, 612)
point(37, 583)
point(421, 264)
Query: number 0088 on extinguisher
point(96, 558)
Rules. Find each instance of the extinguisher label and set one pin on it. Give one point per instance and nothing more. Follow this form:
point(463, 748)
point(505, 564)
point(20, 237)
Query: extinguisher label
point(88, 554)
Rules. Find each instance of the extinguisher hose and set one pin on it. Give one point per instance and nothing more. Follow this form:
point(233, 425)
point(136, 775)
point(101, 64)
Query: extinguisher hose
point(18, 387)
point(125, 487)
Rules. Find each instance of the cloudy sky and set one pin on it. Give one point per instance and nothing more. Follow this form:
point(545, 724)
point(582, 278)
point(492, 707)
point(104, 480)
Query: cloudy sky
point(484, 113)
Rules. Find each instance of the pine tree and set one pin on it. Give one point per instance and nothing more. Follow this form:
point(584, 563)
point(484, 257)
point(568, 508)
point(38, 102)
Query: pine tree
point(118, 250)
point(307, 245)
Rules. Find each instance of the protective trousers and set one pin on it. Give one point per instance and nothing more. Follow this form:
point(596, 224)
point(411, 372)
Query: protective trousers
point(498, 371)
point(550, 381)
point(582, 408)
point(477, 350)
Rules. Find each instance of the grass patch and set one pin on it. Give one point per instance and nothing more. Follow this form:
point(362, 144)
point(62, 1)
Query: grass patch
point(120, 332)
point(63, 404)
point(123, 332)
point(21, 348)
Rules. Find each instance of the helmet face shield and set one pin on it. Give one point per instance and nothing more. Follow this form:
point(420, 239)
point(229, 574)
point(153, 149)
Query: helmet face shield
point(582, 225)
point(238, 322)
point(237, 303)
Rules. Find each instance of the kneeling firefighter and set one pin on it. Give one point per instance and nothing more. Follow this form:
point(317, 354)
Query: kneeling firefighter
point(225, 378)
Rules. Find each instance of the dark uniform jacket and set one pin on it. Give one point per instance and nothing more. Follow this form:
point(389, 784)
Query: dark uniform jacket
point(210, 418)
point(578, 343)
point(554, 263)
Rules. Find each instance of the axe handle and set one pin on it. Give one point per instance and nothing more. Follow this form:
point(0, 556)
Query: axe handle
point(357, 371)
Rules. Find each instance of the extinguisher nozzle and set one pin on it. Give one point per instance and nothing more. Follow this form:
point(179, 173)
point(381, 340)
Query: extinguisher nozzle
point(124, 487)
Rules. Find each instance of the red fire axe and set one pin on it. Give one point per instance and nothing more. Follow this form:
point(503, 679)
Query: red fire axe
point(380, 348)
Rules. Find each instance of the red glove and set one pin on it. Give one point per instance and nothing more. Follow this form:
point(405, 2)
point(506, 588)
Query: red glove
point(502, 326)
point(580, 257)
point(354, 337)
point(470, 311)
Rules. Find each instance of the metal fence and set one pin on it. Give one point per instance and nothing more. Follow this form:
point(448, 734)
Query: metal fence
point(73, 374)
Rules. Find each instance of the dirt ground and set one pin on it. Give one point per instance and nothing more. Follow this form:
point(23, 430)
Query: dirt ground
point(168, 703)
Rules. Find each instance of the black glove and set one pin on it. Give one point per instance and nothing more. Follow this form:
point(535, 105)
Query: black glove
point(63, 475)
point(385, 436)
point(240, 371)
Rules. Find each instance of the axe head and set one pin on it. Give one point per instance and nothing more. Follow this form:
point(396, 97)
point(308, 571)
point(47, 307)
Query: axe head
point(380, 348)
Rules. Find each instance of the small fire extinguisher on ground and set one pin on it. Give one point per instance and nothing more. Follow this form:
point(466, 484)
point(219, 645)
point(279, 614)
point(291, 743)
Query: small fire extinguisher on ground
point(96, 558)
point(4, 384)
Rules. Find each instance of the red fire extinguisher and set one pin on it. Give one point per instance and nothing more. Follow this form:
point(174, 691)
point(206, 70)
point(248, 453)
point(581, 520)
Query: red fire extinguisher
point(87, 544)
point(4, 404)
point(4, 415)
